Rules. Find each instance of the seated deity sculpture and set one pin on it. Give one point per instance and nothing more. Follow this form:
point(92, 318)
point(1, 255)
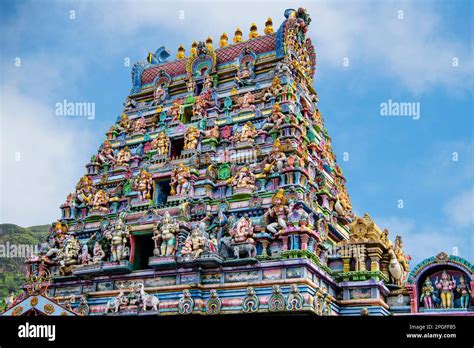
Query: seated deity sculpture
point(180, 183)
point(244, 75)
point(100, 201)
point(191, 138)
point(243, 179)
point(276, 216)
point(159, 95)
point(247, 101)
point(85, 258)
point(144, 185)
point(161, 144)
point(123, 157)
point(195, 244)
point(275, 160)
point(106, 154)
point(139, 126)
point(242, 232)
point(247, 134)
point(274, 90)
point(98, 254)
point(175, 111)
point(124, 124)
point(164, 236)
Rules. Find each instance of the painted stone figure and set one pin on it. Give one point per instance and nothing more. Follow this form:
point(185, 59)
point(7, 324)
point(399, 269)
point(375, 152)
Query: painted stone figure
point(144, 185)
point(191, 138)
point(277, 215)
point(118, 236)
point(164, 236)
point(427, 292)
point(446, 287)
point(123, 157)
point(180, 183)
point(161, 144)
point(464, 292)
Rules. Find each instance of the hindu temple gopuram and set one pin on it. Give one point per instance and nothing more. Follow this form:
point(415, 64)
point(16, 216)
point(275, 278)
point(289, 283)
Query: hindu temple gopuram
point(217, 191)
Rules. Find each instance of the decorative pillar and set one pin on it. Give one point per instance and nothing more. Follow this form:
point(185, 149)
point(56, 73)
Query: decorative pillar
point(304, 241)
point(375, 254)
point(285, 243)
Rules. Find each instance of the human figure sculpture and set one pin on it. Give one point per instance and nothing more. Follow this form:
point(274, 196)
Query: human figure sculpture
point(191, 138)
point(123, 157)
point(244, 75)
point(463, 290)
point(427, 292)
point(401, 257)
point(164, 236)
point(161, 144)
point(446, 286)
point(159, 95)
point(84, 192)
point(244, 179)
point(274, 90)
point(144, 185)
point(247, 101)
point(85, 258)
point(175, 111)
point(68, 256)
point(180, 183)
point(276, 216)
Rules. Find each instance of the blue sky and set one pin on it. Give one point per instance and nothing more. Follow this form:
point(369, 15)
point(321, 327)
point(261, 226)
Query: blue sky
point(399, 51)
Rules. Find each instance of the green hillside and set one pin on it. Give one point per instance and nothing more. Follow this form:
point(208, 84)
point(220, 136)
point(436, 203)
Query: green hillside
point(12, 269)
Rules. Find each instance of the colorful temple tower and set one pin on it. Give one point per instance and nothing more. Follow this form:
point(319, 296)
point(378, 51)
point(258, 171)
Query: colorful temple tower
point(217, 191)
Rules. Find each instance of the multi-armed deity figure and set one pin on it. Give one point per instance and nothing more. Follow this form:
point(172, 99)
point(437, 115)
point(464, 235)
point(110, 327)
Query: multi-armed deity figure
point(276, 216)
point(144, 185)
point(124, 125)
point(191, 138)
point(243, 179)
point(180, 183)
point(161, 144)
point(118, 236)
point(247, 134)
point(195, 244)
point(139, 126)
point(100, 201)
point(123, 157)
point(275, 160)
point(106, 154)
point(446, 287)
point(164, 236)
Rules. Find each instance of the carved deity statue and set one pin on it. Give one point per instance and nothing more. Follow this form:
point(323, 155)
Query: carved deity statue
point(446, 287)
point(164, 236)
point(242, 232)
point(427, 292)
point(276, 216)
point(247, 134)
point(401, 257)
point(124, 125)
point(139, 126)
point(464, 292)
point(274, 90)
point(144, 185)
point(100, 201)
point(123, 157)
point(161, 144)
point(180, 177)
point(195, 244)
point(247, 101)
point(118, 236)
point(175, 111)
point(106, 154)
point(243, 179)
point(191, 138)
point(275, 160)
point(98, 254)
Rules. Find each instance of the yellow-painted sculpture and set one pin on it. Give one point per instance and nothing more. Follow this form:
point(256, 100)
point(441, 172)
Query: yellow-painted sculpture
point(223, 40)
point(191, 138)
point(123, 157)
point(161, 144)
point(253, 31)
point(268, 26)
point(181, 52)
point(180, 183)
point(238, 35)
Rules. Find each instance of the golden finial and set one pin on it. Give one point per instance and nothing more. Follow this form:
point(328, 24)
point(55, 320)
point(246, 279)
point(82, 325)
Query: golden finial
point(209, 43)
point(253, 31)
point(193, 50)
point(268, 26)
point(233, 91)
point(238, 35)
point(223, 40)
point(181, 51)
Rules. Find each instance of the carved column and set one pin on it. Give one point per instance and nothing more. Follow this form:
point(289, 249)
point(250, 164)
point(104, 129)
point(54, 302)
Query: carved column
point(375, 255)
point(304, 241)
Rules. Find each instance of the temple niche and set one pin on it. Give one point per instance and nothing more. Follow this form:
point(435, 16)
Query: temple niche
point(217, 191)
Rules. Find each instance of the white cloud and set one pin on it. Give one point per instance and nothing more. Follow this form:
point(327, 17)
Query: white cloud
point(52, 154)
point(460, 209)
